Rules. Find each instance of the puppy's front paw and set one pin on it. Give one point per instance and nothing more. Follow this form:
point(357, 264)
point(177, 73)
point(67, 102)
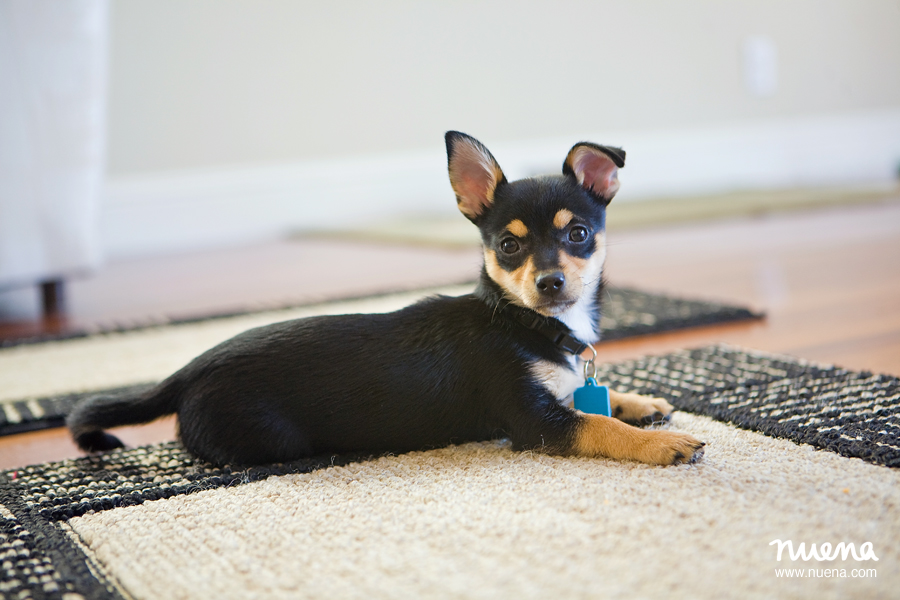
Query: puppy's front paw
point(638, 410)
point(602, 436)
point(671, 448)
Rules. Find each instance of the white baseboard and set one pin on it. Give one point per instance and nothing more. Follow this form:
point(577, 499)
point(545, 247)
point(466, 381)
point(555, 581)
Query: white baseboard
point(168, 212)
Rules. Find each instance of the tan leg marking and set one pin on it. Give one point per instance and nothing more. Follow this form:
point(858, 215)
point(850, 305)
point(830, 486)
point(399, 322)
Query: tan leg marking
point(638, 410)
point(604, 436)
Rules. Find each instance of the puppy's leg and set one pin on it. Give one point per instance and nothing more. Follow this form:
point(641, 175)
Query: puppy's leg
point(639, 410)
point(597, 435)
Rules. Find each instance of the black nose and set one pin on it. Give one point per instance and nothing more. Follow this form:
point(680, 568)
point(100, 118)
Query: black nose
point(550, 284)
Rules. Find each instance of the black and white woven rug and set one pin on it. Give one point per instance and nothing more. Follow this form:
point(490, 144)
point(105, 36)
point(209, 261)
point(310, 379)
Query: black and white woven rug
point(627, 313)
point(854, 414)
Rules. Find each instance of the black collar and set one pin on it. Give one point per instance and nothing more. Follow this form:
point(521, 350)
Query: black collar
point(552, 329)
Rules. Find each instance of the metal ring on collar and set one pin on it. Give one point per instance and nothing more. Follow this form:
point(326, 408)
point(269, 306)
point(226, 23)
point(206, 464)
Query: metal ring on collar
point(593, 371)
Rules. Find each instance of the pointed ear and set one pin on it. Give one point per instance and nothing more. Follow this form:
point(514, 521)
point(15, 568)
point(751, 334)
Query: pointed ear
point(596, 168)
point(474, 174)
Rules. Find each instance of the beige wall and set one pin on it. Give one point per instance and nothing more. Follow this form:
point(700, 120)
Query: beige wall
point(197, 83)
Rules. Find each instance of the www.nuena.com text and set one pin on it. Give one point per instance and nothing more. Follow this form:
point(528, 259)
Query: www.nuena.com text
point(835, 573)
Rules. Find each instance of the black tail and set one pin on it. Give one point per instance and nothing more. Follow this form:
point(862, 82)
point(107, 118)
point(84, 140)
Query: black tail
point(90, 417)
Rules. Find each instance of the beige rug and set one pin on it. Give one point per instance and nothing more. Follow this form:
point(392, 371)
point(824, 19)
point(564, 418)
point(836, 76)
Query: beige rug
point(482, 521)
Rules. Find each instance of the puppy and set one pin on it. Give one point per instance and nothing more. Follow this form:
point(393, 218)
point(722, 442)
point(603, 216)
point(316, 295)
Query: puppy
point(500, 362)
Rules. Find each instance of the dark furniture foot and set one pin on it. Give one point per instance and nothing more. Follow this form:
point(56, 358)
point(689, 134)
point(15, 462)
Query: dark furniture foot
point(53, 298)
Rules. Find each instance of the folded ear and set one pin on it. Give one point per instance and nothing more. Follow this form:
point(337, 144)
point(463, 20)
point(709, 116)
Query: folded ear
point(596, 168)
point(474, 174)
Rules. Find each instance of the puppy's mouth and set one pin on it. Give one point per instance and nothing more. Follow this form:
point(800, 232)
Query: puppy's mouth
point(554, 308)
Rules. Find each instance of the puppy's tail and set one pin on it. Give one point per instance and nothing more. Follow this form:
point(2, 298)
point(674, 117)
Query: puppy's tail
point(131, 406)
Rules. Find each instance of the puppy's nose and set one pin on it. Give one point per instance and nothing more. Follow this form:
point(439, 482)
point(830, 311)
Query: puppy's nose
point(550, 284)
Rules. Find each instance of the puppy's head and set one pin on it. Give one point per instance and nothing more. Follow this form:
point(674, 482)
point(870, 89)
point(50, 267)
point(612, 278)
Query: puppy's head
point(544, 237)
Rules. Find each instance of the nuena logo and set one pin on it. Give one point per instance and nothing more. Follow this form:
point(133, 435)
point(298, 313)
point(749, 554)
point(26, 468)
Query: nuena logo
point(825, 551)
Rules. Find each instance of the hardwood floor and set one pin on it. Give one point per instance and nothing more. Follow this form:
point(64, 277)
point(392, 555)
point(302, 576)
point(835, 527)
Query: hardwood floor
point(142, 292)
point(828, 279)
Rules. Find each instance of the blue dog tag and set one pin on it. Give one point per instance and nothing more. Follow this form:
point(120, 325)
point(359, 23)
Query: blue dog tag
point(593, 398)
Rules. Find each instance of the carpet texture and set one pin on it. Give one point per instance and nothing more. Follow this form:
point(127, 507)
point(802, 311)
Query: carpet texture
point(626, 313)
point(482, 521)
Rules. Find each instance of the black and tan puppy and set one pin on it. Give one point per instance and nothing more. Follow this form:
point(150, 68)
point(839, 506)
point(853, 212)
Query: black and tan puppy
point(500, 362)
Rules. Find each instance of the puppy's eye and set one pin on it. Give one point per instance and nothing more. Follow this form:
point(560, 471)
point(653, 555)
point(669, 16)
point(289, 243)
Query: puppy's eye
point(509, 246)
point(578, 234)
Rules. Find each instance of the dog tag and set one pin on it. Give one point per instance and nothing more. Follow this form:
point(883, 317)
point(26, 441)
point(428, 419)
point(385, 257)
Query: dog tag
point(593, 398)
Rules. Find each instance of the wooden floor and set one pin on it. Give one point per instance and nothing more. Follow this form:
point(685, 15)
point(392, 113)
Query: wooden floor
point(142, 292)
point(828, 279)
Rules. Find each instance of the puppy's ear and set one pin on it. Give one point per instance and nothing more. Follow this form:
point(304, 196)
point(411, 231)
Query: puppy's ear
point(474, 174)
point(596, 168)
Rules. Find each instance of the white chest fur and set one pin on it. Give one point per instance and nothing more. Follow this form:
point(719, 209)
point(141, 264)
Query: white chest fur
point(559, 380)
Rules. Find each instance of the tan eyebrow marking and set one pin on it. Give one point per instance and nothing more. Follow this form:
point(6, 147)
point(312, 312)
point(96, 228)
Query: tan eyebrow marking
point(517, 228)
point(562, 218)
